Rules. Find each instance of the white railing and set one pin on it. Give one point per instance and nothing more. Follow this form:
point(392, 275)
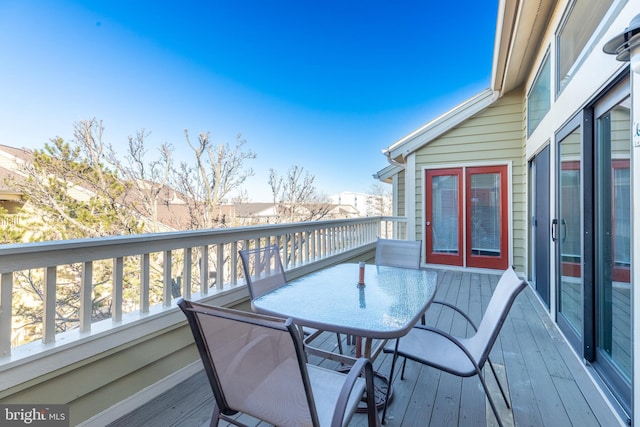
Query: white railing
point(70, 285)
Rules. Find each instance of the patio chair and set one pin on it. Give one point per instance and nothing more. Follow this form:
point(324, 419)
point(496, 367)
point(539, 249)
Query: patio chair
point(399, 253)
point(464, 357)
point(256, 365)
point(267, 274)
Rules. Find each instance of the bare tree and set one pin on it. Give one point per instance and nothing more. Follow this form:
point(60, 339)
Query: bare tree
point(295, 196)
point(215, 173)
point(148, 179)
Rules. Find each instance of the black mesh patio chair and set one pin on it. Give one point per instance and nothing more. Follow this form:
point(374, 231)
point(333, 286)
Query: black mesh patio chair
point(256, 365)
point(464, 357)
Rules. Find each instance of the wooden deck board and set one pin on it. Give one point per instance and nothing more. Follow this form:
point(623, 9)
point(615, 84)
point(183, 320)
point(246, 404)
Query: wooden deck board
point(547, 384)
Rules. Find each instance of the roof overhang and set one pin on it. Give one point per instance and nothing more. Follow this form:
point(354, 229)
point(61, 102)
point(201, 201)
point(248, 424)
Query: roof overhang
point(520, 29)
point(386, 174)
point(8, 195)
point(398, 151)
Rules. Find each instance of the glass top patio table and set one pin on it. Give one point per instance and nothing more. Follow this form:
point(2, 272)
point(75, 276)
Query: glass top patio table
point(389, 304)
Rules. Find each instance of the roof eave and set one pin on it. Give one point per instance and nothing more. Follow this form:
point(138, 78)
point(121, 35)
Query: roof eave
point(398, 151)
point(520, 29)
point(386, 174)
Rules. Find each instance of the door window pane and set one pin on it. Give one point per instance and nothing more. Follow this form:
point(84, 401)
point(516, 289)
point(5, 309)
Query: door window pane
point(485, 214)
point(613, 234)
point(445, 202)
point(569, 231)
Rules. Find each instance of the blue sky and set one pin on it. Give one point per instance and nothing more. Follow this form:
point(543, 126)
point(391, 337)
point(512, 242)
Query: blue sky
point(325, 85)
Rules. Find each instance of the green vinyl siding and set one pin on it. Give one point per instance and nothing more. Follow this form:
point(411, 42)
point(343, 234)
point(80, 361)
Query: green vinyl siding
point(493, 136)
point(401, 193)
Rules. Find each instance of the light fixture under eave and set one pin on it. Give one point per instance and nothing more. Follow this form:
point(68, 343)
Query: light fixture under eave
point(626, 46)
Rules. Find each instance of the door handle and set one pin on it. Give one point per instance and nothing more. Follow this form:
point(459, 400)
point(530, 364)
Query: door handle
point(554, 226)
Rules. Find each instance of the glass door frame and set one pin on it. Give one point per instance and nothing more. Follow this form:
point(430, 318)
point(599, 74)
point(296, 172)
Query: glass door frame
point(584, 343)
point(464, 256)
point(616, 94)
point(587, 344)
point(500, 262)
point(432, 257)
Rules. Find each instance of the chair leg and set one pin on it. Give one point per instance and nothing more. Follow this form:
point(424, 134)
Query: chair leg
point(215, 417)
point(393, 365)
point(339, 343)
point(404, 364)
point(493, 405)
point(504, 395)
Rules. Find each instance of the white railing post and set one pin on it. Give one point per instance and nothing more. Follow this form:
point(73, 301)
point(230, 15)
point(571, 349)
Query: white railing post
point(220, 265)
point(145, 266)
point(86, 287)
point(6, 303)
point(233, 263)
point(186, 273)
point(117, 289)
point(49, 316)
point(204, 270)
point(167, 280)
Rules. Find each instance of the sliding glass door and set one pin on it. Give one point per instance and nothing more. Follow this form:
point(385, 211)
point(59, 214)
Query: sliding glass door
point(613, 242)
point(567, 232)
point(592, 231)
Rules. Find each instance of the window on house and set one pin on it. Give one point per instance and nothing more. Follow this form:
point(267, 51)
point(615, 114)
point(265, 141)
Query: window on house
point(579, 25)
point(539, 99)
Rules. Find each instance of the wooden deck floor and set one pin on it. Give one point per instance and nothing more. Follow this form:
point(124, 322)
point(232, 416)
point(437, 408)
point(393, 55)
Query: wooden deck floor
point(547, 384)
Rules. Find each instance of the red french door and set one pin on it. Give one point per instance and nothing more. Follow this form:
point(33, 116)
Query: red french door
point(487, 218)
point(470, 227)
point(444, 216)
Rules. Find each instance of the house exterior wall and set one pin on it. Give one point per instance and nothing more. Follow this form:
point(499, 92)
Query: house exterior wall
point(493, 136)
point(497, 134)
point(591, 78)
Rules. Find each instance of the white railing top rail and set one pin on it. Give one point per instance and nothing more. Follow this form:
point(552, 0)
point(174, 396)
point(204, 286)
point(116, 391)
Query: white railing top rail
point(152, 269)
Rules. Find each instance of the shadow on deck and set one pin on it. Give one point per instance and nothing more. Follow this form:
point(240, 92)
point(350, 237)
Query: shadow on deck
point(547, 383)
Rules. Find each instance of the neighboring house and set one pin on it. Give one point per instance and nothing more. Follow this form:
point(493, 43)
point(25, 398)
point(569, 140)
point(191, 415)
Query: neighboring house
point(537, 172)
point(251, 213)
point(10, 201)
point(364, 204)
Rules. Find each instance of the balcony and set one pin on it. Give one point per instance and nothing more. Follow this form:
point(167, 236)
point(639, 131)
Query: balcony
point(123, 365)
point(547, 383)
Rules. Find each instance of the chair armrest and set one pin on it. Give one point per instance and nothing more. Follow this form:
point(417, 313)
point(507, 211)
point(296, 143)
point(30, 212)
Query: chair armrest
point(456, 309)
point(356, 370)
point(454, 340)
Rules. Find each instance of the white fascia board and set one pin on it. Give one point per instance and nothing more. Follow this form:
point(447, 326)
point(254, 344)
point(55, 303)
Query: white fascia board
point(430, 131)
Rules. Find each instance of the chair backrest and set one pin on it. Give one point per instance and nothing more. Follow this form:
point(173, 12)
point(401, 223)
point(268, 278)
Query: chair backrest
point(263, 270)
point(507, 289)
point(398, 253)
point(255, 364)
